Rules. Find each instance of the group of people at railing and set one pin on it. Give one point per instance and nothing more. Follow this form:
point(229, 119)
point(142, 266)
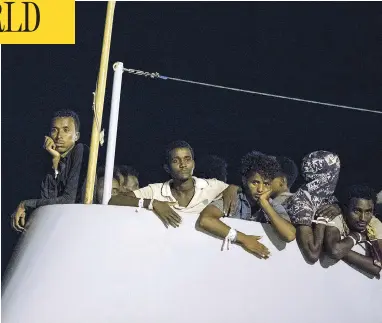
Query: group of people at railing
point(311, 214)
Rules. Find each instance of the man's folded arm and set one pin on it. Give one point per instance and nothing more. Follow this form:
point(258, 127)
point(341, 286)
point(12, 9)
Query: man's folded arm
point(70, 192)
point(132, 198)
point(334, 246)
point(364, 263)
point(280, 221)
point(209, 221)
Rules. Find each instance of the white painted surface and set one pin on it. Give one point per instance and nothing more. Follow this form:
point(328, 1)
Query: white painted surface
point(108, 264)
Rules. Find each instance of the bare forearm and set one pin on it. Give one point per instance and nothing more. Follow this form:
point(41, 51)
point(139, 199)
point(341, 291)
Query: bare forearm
point(127, 200)
point(341, 248)
point(284, 228)
point(364, 263)
point(55, 162)
point(311, 240)
point(218, 228)
point(318, 238)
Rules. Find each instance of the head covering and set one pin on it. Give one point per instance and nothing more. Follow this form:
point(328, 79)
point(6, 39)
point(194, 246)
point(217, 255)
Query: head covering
point(320, 170)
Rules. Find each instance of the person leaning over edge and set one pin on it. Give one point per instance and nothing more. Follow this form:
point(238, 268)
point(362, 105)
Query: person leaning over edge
point(64, 183)
point(255, 203)
point(182, 194)
point(320, 169)
point(115, 184)
point(358, 226)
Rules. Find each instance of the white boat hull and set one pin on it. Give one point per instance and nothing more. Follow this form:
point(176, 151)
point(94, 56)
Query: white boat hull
point(109, 264)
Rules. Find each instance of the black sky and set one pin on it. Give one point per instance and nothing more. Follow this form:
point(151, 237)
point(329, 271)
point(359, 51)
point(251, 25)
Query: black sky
point(321, 51)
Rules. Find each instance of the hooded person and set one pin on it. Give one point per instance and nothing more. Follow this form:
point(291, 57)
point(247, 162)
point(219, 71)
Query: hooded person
point(320, 170)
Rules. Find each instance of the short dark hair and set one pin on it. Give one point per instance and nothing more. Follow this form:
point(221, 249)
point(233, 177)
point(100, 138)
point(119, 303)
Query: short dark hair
point(177, 144)
point(362, 191)
point(288, 168)
point(101, 172)
point(126, 171)
point(257, 162)
point(212, 166)
point(68, 114)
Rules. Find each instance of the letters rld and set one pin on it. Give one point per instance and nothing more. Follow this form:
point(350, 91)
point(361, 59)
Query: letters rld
point(26, 17)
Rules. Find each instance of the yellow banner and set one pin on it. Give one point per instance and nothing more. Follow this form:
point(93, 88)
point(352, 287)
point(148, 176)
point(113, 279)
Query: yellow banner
point(37, 22)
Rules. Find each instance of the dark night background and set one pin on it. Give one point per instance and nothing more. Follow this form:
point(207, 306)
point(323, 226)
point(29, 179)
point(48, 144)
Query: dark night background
point(320, 51)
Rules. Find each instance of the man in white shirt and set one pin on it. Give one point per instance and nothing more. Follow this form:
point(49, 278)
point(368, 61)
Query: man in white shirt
point(183, 194)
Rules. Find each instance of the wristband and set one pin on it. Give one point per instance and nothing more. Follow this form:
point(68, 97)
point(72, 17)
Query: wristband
point(354, 241)
point(322, 220)
point(140, 205)
point(231, 237)
point(360, 237)
point(319, 222)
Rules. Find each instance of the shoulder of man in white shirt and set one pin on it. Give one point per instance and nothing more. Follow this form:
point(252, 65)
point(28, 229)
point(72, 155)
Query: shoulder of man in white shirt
point(212, 188)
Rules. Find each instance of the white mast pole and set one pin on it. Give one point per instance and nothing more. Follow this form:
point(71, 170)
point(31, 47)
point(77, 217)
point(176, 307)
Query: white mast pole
point(113, 128)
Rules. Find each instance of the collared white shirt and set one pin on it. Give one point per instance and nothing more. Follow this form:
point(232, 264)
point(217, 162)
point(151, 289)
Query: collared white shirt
point(206, 191)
